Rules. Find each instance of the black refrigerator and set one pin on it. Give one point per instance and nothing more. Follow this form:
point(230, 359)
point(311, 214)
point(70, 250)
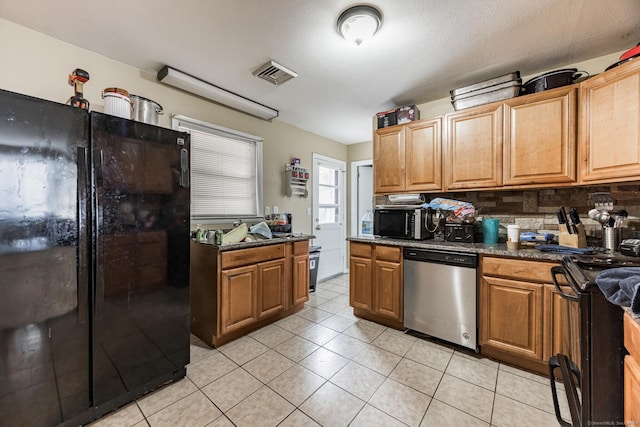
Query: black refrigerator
point(94, 261)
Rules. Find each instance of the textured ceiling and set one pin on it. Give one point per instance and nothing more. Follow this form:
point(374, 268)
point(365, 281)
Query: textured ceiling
point(424, 48)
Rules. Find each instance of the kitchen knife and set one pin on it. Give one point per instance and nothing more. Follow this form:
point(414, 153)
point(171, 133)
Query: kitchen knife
point(570, 225)
point(575, 218)
point(562, 219)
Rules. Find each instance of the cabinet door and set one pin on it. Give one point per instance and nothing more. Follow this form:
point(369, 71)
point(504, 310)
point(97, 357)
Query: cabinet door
point(271, 296)
point(473, 155)
point(423, 155)
point(387, 289)
point(631, 391)
point(609, 134)
point(559, 316)
point(360, 282)
point(511, 316)
point(389, 160)
point(238, 298)
point(540, 138)
point(300, 279)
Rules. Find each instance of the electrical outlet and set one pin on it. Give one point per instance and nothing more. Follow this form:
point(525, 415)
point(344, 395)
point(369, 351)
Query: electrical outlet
point(267, 211)
point(275, 210)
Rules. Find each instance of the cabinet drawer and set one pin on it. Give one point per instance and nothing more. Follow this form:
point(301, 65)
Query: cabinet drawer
point(535, 271)
point(388, 253)
point(240, 257)
point(362, 250)
point(632, 336)
point(301, 248)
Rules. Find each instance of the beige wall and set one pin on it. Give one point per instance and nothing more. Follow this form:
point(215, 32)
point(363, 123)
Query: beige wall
point(38, 65)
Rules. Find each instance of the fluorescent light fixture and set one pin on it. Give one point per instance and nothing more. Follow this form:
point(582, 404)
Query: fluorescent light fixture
point(359, 23)
point(191, 84)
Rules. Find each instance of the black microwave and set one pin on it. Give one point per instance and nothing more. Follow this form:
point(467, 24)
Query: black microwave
point(402, 223)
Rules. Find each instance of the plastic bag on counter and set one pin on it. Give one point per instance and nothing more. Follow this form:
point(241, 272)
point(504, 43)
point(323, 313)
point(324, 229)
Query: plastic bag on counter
point(459, 209)
point(262, 229)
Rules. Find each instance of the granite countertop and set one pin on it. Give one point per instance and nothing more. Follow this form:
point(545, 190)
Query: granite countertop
point(497, 249)
point(265, 242)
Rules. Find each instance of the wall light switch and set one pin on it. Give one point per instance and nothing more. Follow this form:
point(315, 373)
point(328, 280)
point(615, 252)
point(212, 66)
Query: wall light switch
point(267, 211)
point(309, 211)
point(275, 210)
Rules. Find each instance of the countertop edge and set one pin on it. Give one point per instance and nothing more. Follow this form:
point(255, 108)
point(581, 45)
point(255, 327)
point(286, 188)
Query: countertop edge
point(258, 243)
point(497, 249)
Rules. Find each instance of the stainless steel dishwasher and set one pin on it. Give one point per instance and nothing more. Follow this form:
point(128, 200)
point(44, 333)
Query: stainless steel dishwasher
point(440, 295)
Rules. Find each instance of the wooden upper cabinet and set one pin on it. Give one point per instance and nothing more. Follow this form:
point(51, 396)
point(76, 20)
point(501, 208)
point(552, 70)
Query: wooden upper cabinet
point(540, 138)
point(473, 157)
point(423, 158)
point(388, 159)
point(408, 157)
point(609, 133)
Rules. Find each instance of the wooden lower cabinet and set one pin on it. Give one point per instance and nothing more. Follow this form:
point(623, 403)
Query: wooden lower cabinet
point(375, 282)
point(238, 298)
point(360, 282)
point(511, 316)
point(271, 297)
point(300, 279)
point(522, 318)
point(237, 291)
point(631, 371)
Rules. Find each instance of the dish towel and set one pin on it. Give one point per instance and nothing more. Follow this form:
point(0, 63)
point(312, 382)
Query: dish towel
point(621, 286)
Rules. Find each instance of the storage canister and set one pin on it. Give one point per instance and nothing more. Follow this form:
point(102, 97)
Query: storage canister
point(145, 110)
point(117, 102)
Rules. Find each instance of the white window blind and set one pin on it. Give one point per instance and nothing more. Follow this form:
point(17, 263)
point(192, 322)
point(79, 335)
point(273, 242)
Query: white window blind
point(226, 171)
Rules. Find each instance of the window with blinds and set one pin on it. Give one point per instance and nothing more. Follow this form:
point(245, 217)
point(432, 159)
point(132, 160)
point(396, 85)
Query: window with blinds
point(226, 171)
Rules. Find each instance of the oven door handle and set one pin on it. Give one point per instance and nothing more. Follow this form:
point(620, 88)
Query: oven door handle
point(557, 270)
point(569, 372)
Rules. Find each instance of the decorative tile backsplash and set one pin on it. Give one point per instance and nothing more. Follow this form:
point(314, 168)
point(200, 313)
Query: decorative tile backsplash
point(535, 210)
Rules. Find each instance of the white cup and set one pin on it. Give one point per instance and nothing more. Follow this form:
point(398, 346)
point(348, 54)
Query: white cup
point(513, 233)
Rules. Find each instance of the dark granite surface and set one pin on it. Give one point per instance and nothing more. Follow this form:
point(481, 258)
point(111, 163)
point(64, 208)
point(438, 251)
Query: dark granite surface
point(497, 249)
point(265, 242)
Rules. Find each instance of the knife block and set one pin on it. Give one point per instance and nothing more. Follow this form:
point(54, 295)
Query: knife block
point(572, 240)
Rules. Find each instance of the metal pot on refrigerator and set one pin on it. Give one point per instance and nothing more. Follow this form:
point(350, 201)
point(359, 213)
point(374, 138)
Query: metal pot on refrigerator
point(145, 110)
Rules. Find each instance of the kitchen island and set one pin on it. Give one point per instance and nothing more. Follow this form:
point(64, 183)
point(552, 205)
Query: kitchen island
point(240, 287)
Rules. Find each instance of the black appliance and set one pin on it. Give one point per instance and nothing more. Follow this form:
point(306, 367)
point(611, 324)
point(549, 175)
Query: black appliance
point(403, 222)
point(94, 261)
point(463, 233)
point(593, 370)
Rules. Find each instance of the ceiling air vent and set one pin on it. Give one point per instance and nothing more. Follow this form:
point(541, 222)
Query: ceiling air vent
point(274, 73)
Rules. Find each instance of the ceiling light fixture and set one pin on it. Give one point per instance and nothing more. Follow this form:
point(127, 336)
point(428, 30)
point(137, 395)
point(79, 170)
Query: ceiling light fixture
point(191, 84)
point(359, 23)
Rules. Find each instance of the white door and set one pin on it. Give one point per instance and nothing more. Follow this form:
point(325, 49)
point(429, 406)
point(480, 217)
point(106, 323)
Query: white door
point(329, 215)
point(361, 193)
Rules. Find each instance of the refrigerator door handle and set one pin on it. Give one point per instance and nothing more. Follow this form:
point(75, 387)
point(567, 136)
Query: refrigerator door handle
point(184, 168)
point(83, 248)
point(98, 298)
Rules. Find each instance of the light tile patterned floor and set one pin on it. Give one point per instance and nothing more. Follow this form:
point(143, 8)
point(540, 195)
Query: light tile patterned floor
point(325, 367)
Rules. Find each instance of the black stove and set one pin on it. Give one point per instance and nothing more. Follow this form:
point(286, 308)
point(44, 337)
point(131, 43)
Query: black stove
point(584, 269)
point(593, 371)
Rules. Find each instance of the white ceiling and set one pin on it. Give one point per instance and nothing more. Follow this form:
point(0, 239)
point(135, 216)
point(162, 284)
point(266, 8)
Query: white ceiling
point(424, 48)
